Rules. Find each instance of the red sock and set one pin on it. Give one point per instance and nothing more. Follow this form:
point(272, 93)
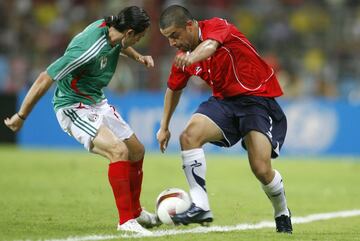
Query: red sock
point(136, 177)
point(120, 182)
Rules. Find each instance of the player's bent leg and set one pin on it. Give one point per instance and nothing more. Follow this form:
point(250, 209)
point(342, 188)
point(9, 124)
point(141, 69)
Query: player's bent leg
point(108, 145)
point(123, 131)
point(199, 130)
point(259, 153)
point(194, 166)
point(135, 147)
point(136, 156)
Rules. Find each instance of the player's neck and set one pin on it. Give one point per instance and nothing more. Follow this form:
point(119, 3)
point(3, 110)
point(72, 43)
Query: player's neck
point(115, 37)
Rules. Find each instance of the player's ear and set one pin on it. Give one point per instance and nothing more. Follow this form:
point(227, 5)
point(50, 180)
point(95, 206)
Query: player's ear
point(130, 32)
point(189, 25)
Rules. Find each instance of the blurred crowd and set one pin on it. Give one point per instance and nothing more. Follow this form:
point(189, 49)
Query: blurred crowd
point(314, 46)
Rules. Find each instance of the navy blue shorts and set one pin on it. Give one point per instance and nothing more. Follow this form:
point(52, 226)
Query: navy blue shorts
point(238, 115)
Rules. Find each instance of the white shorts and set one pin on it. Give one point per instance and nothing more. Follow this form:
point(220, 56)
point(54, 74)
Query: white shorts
point(83, 121)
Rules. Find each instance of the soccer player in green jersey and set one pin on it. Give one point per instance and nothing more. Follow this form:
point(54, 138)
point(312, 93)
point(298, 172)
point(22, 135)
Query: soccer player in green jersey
point(82, 110)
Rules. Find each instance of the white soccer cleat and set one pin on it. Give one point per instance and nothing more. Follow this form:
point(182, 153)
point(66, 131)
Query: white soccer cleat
point(133, 226)
point(148, 220)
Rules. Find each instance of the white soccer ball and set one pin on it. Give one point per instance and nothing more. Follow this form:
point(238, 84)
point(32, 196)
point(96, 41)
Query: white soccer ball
point(170, 202)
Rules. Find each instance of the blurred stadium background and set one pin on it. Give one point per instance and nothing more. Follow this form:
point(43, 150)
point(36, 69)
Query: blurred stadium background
point(314, 46)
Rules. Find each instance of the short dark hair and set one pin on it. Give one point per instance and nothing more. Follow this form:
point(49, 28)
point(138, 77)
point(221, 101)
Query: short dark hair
point(175, 14)
point(129, 18)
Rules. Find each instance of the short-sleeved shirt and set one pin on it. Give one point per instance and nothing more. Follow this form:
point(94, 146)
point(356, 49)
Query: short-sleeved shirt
point(234, 69)
point(86, 67)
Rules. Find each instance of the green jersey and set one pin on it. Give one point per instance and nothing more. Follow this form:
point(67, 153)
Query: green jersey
point(86, 67)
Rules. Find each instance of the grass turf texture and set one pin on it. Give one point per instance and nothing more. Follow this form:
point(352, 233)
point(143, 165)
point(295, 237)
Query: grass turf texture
point(58, 194)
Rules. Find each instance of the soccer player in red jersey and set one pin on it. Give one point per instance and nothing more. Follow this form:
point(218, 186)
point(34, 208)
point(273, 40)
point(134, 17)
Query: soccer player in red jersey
point(242, 107)
point(83, 111)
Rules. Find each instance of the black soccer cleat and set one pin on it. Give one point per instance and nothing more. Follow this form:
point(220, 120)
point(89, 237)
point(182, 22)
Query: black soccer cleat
point(283, 224)
point(193, 215)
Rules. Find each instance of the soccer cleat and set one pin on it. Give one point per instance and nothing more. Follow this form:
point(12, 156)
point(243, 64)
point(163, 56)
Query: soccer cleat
point(148, 220)
point(193, 215)
point(283, 224)
point(133, 226)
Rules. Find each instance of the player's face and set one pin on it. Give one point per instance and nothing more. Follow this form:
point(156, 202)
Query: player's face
point(130, 38)
point(181, 38)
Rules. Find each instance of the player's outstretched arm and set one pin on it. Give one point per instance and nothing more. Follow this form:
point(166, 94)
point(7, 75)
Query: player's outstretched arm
point(171, 100)
point(143, 59)
point(37, 90)
point(201, 52)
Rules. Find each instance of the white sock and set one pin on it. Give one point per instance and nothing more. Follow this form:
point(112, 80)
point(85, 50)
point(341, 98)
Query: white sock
point(276, 193)
point(194, 166)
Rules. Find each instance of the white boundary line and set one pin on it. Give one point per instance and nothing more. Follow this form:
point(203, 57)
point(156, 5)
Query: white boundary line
point(238, 227)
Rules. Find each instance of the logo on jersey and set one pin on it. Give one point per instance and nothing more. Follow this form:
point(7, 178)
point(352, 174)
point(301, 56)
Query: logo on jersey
point(103, 62)
point(198, 69)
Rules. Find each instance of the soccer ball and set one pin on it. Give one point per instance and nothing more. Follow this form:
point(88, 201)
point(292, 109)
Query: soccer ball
point(170, 202)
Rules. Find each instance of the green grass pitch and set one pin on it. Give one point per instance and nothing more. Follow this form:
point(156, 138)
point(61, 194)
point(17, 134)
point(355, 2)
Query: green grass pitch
point(58, 194)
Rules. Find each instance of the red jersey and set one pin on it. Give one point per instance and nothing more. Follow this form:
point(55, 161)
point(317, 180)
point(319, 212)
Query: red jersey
point(234, 69)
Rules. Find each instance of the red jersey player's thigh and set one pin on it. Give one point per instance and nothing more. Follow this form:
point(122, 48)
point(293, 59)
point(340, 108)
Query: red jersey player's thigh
point(108, 145)
point(135, 147)
point(259, 152)
point(199, 130)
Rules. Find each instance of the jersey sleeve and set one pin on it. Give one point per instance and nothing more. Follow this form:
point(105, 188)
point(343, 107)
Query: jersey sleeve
point(66, 64)
point(178, 78)
point(217, 29)
point(80, 52)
